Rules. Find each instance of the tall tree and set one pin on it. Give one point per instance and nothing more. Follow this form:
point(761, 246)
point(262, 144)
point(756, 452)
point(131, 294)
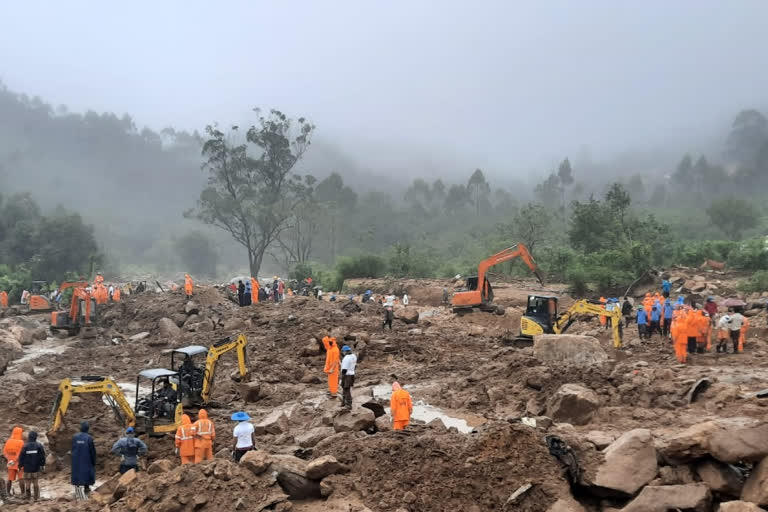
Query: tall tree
point(618, 200)
point(733, 216)
point(748, 134)
point(478, 188)
point(334, 199)
point(252, 188)
point(531, 226)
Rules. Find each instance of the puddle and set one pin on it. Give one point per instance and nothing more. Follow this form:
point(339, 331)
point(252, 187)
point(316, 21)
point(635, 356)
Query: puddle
point(48, 346)
point(424, 412)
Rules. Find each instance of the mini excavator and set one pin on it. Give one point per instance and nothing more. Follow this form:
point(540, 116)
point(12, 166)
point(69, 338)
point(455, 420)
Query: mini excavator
point(82, 313)
point(197, 374)
point(479, 292)
point(40, 303)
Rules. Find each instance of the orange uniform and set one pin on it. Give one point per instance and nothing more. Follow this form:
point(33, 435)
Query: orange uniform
point(679, 336)
point(702, 329)
point(205, 434)
point(603, 319)
point(743, 333)
point(188, 284)
point(332, 360)
point(11, 451)
point(98, 279)
point(254, 291)
point(3, 299)
point(185, 440)
point(400, 406)
point(648, 304)
point(116, 295)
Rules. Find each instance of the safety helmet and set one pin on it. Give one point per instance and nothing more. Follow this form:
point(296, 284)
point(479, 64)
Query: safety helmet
point(129, 430)
point(346, 348)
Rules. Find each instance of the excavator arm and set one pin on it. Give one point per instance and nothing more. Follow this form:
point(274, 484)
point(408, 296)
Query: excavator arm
point(214, 353)
point(516, 251)
point(92, 384)
point(585, 307)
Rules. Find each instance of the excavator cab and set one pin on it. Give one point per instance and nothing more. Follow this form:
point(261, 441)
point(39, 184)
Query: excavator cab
point(37, 299)
point(159, 407)
point(540, 315)
point(487, 290)
point(81, 314)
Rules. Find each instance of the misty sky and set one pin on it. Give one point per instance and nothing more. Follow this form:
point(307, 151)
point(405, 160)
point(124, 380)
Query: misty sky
point(500, 84)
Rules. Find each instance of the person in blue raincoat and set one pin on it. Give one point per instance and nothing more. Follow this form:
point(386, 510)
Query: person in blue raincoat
point(83, 459)
point(642, 323)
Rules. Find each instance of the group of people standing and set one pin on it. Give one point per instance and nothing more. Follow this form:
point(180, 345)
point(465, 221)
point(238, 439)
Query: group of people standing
point(250, 292)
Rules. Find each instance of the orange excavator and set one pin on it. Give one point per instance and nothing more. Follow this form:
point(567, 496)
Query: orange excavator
point(40, 303)
point(82, 313)
point(479, 293)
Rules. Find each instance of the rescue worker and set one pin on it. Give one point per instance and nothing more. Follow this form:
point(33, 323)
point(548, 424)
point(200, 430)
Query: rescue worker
point(188, 285)
point(275, 294)
point(602, 317)
point(723, 333)
point(185, 440)
point(331, 364)
point(205, 434)
point(405, 299)
point(666, 286)
point(116, 295)
point(710, 306)
point(642, 323)
point(668, 311)
point(11, 453)
point(703, 343)
point(692, 329)
point(743, 333)
point(83, 462)
point(4, 299)
point(348, 365)
point(98, 279)
point(244, 437)
point(280, 290)
point(679, 337)
point(255, 289)
point(737, 321)
point(626, 312)
point(400, 406)
point(240, 293)
point(32, 462)
point(247, 301)
point(446, 297)
point(129, 449)
point(389, 316)
point(655, 320)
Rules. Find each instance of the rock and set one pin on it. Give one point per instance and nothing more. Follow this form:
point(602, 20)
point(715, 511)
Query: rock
point(222, 470)
point(179, 319)
point(700, 279)
point(191, 308)
point(324, 466)
point(234, 324)
point(676, 475)
point(537, 378)
point(192, 320)
point(414, 332)
point(275, 422)
point(105, 493)
point(689, 285)
point(22, 334)
point(168, 328)
point(721, 478)
point(313, 436)
point(39, 333)
point(249, 391)
point(662, 498)
point(292, 477)
point(383, 423)
point(160, 466)
point(408, 315)
point(124, 482)
point(354, 420)
point(476, 330)
point(568, 349)
point(739, 506)
point(728, 440)
point(629, 463)
point(409, 498)
point(756, 486)
point(140, 336)
point(378, 409)
point(574, 404)
point(256, 461)
point(600, 439)
point(326, 488)
point(566, 505)
point(311, 349)
point(310, 378)
point(438, 424)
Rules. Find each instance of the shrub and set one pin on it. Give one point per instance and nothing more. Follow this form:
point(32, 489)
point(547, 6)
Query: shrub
point(758, 282)
point(366, 265)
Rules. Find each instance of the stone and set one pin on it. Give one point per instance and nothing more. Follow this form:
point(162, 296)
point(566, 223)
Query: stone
point(729, 440)
point(234, 324)
point(662, 498)
point(168, 328)
point(326, 488)
point(476, 330)
point(629, 463)
point(191, 308)
point(739, 506)
point(311, 349)
point(179, 319)
point(574, 404)
point(22, 334)
point(414, 332)
point(601, 440)
point(378, 409)
point(438, 424)
point(140, 336)
point(756, 487)
point(222, 470)
point(676, 475)
point(292, 477)
point(324, 466)
point(568, 349)
point(354, 420)
point(313, 436)
point(249, 391)
point(275, 422)
point(256, 461)
point(160, 466)
point(537, 378)
point(721, 478)
point(566, 505)
point(408, 315)
point(383, 423)
point(124, 482)
point(192, 320)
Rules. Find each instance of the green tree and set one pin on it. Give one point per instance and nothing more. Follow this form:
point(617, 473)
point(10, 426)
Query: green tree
point(618, 201)
point(733, 216)
point(531, 225)
point(197, 253)
point(549, 191)
point(591, 227)
point(334, 199)
point(252, 188)
point(478, 189)
point(748, 134)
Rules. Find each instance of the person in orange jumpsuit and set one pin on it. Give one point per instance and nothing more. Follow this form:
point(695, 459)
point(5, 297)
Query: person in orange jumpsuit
point(3, 299)
point(205, 435)
point(703, 342)
point(116, 294)
point(188, 284)
point(743, 333)
point(400, 406)
point(648, 304)
point(603, 318)
point(255, 287)
point(11, 452)
point(332, 365)
point(98, 279)
point(185, 440)
point(679, 336)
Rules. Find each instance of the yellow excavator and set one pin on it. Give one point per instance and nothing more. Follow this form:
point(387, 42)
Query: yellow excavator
point(541, 317)
point(196, 366)
point(157, 409)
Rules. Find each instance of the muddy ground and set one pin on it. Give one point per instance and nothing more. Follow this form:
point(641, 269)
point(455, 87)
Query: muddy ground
point(493, 402)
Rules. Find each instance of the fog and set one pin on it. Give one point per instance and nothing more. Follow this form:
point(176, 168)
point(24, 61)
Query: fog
point(507, 86)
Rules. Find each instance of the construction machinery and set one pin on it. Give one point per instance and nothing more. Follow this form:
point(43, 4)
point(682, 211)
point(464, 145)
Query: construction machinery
point(40, 303)
point(157, 409)
point(542, 317)
point(81, 314)
point(196, 366)
point(479, 292)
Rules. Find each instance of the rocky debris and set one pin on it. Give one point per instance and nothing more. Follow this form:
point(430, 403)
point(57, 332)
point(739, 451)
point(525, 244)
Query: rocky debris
point(721, 478)
point(191, 308)
point(140, 336)
point(312, 349)
point(359, 418)
point(313, 436)
point(569, 349)
point(675, 475)
point(250, 391)
point(10, 349)
point(160, 466)
point(292, 477)
point(476, 330)
point(662, 498)
point(168, 328)
point(324, 466)
point(600, 439)
point(574, 404)
point(179, 319)
point(756, 487)
point(739, 506)
point(629, 463)
point(728, 440)
point(408, 315)
point(566, 505)
point(383, 423)
point(256, 461)
point(275, 422)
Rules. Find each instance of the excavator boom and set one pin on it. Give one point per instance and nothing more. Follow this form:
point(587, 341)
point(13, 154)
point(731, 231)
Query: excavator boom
point(106, 386)
point(214, 353)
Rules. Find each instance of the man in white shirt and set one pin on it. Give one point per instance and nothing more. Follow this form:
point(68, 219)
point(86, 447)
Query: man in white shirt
point(348, 365)
point(405, 299)
point(723, 334)
point(735, 327)
point(244, 438)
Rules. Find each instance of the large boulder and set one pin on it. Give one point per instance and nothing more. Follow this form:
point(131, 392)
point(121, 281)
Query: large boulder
point(729, 440)
point(663, 498)
point(10, 349)
point(256, 461)
point(629, 462)
point(574, 404)
point(191, 308)
point(250, 391)
point(140, 336)
point(168, 328)
point(354, 420)
point(275, 422)
point(569, 349)
point(324, 466)
point(313, 436)
point(721, 478)
point(408, 315)
point(739, 506)
point(292, 477)
point(160, 466)
point(756, 486)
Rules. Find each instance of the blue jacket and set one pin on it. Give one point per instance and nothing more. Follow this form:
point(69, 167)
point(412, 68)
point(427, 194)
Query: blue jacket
point(32, 457)
point(655, 314)
point(668, 311)
point(83, 458)
point(129, 448)
point(642, 317)
point(665, 285)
